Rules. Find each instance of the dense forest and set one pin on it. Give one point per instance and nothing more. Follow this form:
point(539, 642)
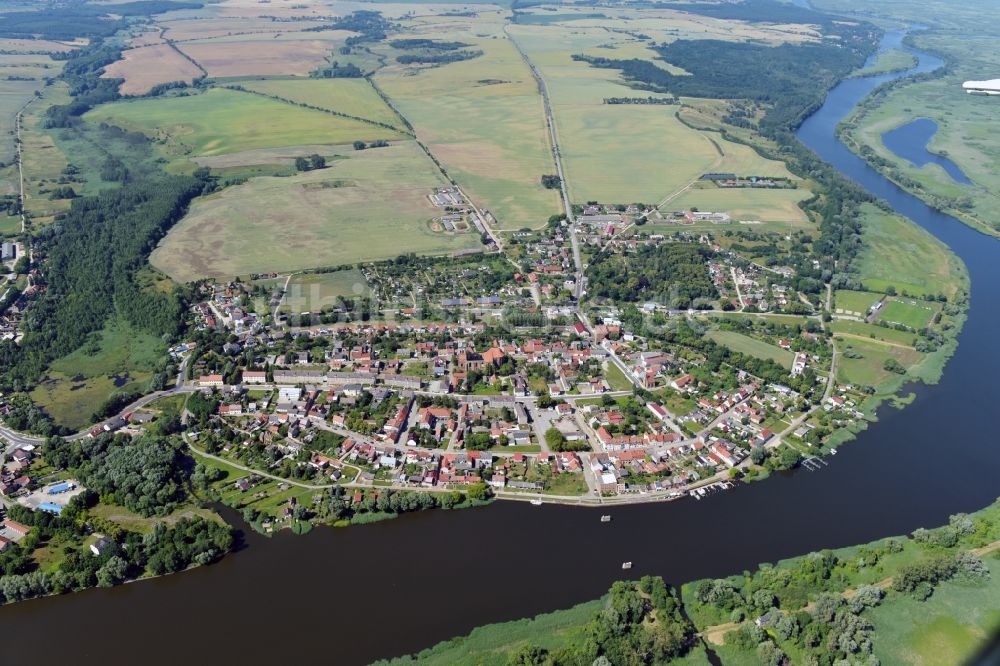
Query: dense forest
point(674, 274)
point(144, 474)
point(94, 254)
point(67, 22)
point(430, 44)
point(94, 250)
point(791, 78)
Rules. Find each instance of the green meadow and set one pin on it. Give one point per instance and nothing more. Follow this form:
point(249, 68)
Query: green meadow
point(118, 359)
point(354, 97)
point(365, 205)
point(221, 121)
point(745, 344)
point(897, 253)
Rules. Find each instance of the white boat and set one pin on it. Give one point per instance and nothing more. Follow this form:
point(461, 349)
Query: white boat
point(605, 519)
point(626, 565)
point(536, 502)
point(833, 452)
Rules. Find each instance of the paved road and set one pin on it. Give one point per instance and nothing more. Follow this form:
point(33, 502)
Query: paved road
point(557, 156)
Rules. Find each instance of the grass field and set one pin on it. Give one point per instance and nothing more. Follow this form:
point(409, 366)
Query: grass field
point(13, 95)
point(491, 643)
point(909, 312)
point(744, 344)
point(860, 329)
point(311, 292)
point(946, 629)
point(148, 66)
point(120, 359)
point(355, 97)
point(483, 118)
point(136, 523)
point(223, 121)
point(895, 252)
point(855, 302)
point(775, 206)
point(868, 369)
point(370, 205)
point(617, 379)
point(639, 153)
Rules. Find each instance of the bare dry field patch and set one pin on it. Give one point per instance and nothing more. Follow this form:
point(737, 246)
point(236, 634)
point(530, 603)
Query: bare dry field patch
point(250, 58)
point(148, 66)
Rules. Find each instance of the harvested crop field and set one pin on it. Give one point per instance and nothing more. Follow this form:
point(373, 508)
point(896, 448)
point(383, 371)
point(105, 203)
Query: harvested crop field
point(371, 205)
point(148, 66)
point(221, 121)
point(14, 45)
point(263, 57)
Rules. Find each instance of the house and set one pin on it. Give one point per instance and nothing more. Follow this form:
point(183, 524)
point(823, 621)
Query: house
point(102, 545)
point(254, 377)
point(211, 381)
point(682, 383)
point(16, 528)
point(289, 394)
point(657, 410)
point(231, 410)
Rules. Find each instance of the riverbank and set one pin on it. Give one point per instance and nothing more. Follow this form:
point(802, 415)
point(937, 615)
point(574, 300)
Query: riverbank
point(922, 94)
point(928, 597)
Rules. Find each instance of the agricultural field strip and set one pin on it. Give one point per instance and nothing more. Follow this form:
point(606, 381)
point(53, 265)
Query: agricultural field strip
point(292, 102)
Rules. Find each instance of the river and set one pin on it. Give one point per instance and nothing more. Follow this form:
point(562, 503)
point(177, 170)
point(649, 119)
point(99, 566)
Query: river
point(347, 596)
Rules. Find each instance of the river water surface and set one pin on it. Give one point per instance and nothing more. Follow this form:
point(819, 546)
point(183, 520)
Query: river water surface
point(352, 595)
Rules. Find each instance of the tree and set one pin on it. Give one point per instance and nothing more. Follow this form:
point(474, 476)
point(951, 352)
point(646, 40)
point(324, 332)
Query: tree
point(112, 572)
point(479, 491)
point(301, 164)
point(317, 161)
point(359, 145)
point(555, 439)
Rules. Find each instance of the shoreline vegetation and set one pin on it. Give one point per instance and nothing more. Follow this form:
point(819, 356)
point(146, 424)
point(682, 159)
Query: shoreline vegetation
point(880, 602)
point(895, 168)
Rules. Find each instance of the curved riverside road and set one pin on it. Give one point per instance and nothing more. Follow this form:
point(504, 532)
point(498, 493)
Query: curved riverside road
point(350, 596)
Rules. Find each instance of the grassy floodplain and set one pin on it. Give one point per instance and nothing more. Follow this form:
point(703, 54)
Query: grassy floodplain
point(483, 118)
point(967, 35)
point(897, 253)
point(118, 359)
point(222, 121)
point(365, 205)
